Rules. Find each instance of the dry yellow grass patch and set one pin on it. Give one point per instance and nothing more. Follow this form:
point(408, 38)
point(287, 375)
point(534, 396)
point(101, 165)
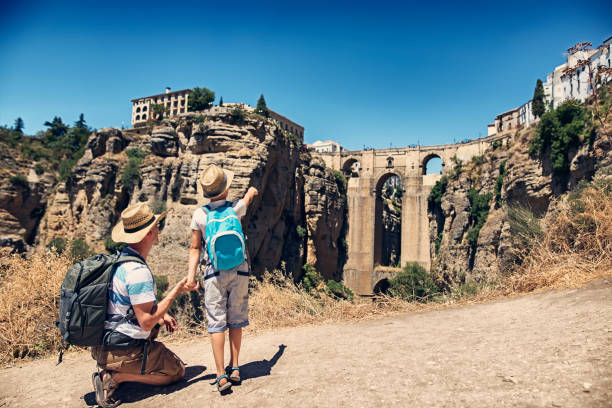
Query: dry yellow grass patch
point(29, 296)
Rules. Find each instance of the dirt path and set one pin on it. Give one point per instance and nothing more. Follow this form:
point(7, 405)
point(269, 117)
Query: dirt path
point(543, 350)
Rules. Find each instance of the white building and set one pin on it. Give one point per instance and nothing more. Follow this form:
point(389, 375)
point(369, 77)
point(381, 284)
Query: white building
point(174, 102)
point(328, 146)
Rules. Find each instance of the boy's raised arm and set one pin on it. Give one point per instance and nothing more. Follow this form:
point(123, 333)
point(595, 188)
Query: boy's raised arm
point(249, 195)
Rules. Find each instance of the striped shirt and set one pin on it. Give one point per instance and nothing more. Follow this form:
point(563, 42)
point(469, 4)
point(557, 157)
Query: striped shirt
point(133, 284)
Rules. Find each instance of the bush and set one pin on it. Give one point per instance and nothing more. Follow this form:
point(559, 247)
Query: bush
point(19, 180)
point(161, 283)
point(57, 244)
point(435, 196)
point(479, 211)
point(524, 225)
point(311, 279)
point(499, 183)
point(237, 116)
point(413, 283)
point(38, 169)
point(131, 174)
point(301, 231)
point(112, 246)
point(339, 290)
point(79, 249)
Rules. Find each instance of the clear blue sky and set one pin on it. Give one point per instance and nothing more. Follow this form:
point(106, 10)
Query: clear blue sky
point(362, 73)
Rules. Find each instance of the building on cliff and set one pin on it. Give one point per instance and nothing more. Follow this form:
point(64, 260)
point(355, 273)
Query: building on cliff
point(568, 80)
point(176, 104)
point(328, 146)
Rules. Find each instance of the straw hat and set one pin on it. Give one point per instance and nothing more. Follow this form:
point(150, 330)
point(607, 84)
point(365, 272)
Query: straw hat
point(215, 181)
point(136, 221)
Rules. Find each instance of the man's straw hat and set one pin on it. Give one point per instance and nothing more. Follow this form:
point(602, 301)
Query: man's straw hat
point(136, 221)
point(215, 181)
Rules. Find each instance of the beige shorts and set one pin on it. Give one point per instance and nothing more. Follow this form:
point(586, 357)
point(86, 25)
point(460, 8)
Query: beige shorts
point(160, 360)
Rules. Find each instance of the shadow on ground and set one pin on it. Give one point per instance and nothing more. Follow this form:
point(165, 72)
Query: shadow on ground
point(132, 392)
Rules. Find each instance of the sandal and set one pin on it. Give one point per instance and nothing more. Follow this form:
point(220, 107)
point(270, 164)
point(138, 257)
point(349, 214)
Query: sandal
point(104, 387)
point(225, 386)
point(235, 378)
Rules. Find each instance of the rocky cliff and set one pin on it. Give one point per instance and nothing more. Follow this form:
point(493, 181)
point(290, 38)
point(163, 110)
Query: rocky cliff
point(160, 165)
point(484, 189)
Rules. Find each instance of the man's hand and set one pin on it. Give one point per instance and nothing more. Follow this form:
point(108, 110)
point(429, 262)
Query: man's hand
point(250, 194)
point(253, 191)
point(170, 323)
point(186, 284)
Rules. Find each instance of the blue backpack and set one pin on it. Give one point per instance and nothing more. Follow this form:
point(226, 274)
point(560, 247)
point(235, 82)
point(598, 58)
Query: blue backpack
point(224, 237)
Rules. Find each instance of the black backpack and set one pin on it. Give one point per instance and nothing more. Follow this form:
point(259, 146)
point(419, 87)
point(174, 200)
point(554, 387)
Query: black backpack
point(84, 297)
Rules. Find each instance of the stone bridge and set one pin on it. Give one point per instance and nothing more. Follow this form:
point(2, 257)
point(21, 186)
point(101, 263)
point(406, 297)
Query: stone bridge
point(367, 172)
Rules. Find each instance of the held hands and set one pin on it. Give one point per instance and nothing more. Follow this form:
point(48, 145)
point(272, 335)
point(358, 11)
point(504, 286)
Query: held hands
point(187, 284)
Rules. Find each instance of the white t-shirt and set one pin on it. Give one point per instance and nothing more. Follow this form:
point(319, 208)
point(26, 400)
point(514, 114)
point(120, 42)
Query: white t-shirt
point(198, 223)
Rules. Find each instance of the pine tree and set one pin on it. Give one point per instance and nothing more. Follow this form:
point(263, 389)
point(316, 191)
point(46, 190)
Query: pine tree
point(262, 108)
point(19, 125)
point(81, 122)
point(221, 101)
point(537, 106)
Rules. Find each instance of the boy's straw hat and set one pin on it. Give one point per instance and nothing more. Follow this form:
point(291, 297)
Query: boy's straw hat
point(215, 181)
point(136, 221)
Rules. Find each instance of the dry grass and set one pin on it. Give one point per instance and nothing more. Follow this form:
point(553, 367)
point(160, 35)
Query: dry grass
point(29, 298)
point(575, 248)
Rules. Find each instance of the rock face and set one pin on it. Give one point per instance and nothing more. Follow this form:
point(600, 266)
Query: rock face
point(524, 181)
point(23, 199)
point(293, 192)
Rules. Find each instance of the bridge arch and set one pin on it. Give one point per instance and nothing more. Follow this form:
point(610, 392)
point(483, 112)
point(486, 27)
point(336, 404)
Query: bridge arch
point(351, 167)
point(382, 287)
point(428, 158)
point(387, 220)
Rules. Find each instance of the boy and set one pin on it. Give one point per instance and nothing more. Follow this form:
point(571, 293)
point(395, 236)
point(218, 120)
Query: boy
point(225, 290)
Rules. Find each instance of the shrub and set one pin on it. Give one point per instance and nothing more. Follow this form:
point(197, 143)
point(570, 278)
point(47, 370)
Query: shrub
point(19, 180)
point(477, 160)
point(57, 244)
point(496, 145)
point(136, 154)
point(479, 211)
point(38, 169)
point(339, 290)
point(311, 279)
point(340, 181)
point(435, 196)
point(524, 225)
point(499, 183)
point(413, 283)
point(199, 119)
point(161, 283)
point(301, 231)
point(79, 249)
point(112, 246)
point(237, 116)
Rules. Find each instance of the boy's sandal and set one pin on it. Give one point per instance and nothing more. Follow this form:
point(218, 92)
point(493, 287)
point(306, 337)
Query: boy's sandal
point(225, 386)
point(235, 378)
point(104, 387)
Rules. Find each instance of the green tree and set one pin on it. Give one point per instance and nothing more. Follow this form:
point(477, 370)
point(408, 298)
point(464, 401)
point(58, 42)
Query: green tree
point(81, 122)
point(537, 105)
point(262, 108)
point(200, 99)
point(221, 101)
point(157, 111)
point(57, 129)
point(18, 125)
point(413, 283)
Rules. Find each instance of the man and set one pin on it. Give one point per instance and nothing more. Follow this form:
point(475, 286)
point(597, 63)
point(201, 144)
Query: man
point(129, 353)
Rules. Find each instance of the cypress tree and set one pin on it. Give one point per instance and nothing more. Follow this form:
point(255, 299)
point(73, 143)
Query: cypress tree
point(262, 108)
point(537, 106)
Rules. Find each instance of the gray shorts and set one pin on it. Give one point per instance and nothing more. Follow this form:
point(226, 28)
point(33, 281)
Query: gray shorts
point(226, 298)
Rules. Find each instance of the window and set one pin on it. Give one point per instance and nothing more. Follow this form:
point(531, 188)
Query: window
point(175, 104)
point(144, 117)
point(137, 117)
point(182, 110)
point(168, 105)
point(137, 110)
point(144, 109)
point(182, 102)
point(174, 112)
